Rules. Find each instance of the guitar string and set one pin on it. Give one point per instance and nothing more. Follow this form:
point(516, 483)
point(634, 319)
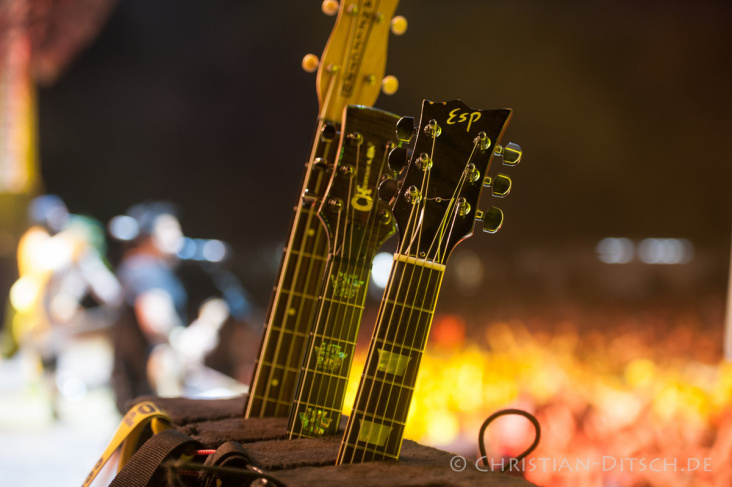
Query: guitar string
point(353, 313)
point(419, 228)
point(416, 352)
point(326, 104)
point(359, 408)
point(337, 74)
point(362, 264)
point(454, 209)
point(276, 304)
point(371, 352)
point(406, 245)
point(333, 251)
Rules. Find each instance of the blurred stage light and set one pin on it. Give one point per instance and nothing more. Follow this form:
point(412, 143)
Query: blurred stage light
point(381, 269)
point(665, 251)
point(123, 227)
point(213, 250)
point(615, 250)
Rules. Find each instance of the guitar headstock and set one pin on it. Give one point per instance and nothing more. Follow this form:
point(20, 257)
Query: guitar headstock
point(436, 204)
point(352, 66)
point(351, 208)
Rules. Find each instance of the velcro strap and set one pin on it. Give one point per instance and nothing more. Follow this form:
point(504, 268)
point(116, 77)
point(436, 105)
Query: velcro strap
point(143, 468)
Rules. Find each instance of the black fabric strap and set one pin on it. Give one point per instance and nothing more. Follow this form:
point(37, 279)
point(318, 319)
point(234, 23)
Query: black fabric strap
point(140, 470)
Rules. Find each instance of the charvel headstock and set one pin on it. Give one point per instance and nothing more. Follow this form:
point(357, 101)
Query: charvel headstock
point(352, 66)
point(351, 207)
point(436, 203)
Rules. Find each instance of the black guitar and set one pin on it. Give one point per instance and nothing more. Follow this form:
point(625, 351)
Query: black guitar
point(357, 223)
point(435, 208)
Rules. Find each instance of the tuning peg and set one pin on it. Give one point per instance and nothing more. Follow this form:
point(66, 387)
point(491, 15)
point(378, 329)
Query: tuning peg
point(389, 85)
point(388, 189)
point(398, 158)
point(310, 63)
point(501, 185)
point(398, 25)
point(328, 132)
point(405, 129)
point(329, 7)
point(511, 153)
point(492, 219)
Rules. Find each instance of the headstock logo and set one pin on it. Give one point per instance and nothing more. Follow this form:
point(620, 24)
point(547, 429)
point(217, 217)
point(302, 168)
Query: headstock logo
point(463, 117)
point(363, 201)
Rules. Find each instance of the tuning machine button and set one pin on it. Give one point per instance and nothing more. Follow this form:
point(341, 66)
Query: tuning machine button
point(398, 25)
point(329, 7)
point(398, 158)
point(500, 185)
point(388, 189)
point(389, 85)
point(511, 153)
point(492, 219)
point(405, 129)
point(310, 63)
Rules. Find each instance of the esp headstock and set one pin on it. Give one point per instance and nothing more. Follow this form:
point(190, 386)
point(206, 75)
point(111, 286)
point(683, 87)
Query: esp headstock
point(436, 204)
point(352, 66)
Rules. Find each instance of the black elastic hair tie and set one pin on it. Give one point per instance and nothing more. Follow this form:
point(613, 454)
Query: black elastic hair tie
point(506, 412)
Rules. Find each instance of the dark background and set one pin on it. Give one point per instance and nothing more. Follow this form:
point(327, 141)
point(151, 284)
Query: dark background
point(622, 109)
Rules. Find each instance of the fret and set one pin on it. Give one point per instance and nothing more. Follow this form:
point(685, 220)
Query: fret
point(382, 419)
point(320, 406)
point(387, 384)
point(291, 332)
point(343, 304)
point(291, 313)
point(393, 345)
point(409, 307)
point(357, 44)
point(274, 401)
point(324, 337)
point(297, 294)
point(443, 187)
point(284, 368)
point(308, 255)
point(355, 232)
point(369, 454)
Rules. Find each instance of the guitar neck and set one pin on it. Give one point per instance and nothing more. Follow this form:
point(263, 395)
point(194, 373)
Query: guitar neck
point(294, 299)
point(322, 387)
point(376, 426)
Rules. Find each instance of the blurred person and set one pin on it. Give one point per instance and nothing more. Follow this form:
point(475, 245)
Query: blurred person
point(156, 350)
point(61, 265)
point(154, 301)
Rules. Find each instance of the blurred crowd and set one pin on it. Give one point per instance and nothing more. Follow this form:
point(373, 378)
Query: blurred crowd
point(163, 305)
point(611, 385)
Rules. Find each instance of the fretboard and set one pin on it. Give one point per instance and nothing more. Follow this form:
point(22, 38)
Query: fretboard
point(322, 387)
point(295, 296)
point(376, 426)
